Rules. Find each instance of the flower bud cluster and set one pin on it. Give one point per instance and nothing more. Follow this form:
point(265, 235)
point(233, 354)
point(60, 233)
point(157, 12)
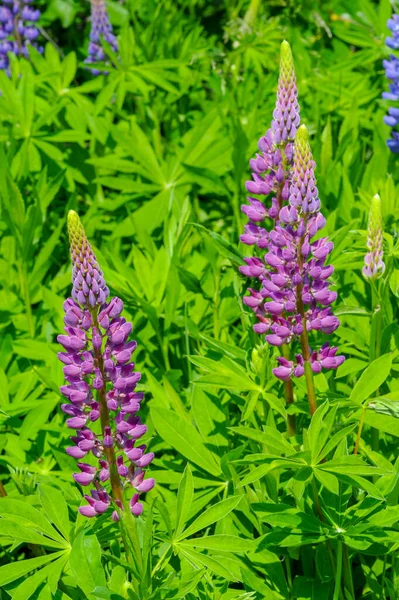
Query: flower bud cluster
point(18, 29)
point(391, 67)
point(101, 28)
point(101, 389)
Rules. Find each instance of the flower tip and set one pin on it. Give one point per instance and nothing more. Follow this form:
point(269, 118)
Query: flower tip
point(286, 61)
point(73, 218)
point(302, 135)
point(376, 203)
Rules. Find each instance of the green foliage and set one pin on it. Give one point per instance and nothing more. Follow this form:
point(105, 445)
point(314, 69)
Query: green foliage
point(154, 157)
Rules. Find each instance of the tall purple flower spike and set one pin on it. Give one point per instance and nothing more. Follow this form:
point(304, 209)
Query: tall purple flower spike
point(101, 28)
point(391, 67)
point(271, 168)
point(103, 401)
point(294, 297)
point(18, 29)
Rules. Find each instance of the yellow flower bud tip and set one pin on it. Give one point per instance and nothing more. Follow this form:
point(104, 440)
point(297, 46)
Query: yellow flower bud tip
point(76, 232)
point(302, 135)
point(73, 219)
point(285, 50)
point(286, 63)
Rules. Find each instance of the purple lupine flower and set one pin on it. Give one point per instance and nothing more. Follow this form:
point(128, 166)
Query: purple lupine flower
point(101, 28)
point(101, 386)
point(374, 265)
point(294, 295)
point(391, 67)
point(271, 167)
point(18, 29)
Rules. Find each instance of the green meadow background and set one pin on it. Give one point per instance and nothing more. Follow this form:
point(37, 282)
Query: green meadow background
point(153, 157)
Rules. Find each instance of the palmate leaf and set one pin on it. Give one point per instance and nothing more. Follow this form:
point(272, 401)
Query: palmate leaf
point(221, 543)
point(223, 373)
point(228, 569)
point(214, 513)
point(28, 520)
point(372, 378)
point(50, 573)
point(183, 436)
point(15, 570)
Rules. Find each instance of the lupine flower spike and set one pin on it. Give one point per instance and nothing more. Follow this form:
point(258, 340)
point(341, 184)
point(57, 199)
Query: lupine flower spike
point(294, 296)
point(101, 28)
point(271, 167)
point(374, 265)
point(103, 401)
point(18, 29)
point(391, 67)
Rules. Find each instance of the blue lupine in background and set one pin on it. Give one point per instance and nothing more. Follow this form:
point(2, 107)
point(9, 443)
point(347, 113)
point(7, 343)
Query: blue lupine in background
point(18, 29)
point(391, 67)
point(101, 28)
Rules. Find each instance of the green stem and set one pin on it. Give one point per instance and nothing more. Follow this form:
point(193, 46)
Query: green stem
point(375, 348)
point(216, 300)
point(24, 282)
point(347, 569)
point(3, 492)
point(359, 431)
point(129, 522)
point(395, 576)
point(321, 517)
point(382, 595)
point(289, 395)
point(338, 573)
point(115, 480)
point(304, 338)
point(252, 11)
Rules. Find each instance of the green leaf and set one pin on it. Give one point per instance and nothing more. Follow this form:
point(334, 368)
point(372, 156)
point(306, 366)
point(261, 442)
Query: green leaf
point(385, 423)
point(271, 438)
point(214, 513)
point(19, 511)
point(185, 497)
point(217, 566)
point(372, 378)
point(222, 543)
point(183, 437)
point(85, 563)
point(15, 570)
point(55, 507)
point(222, 246)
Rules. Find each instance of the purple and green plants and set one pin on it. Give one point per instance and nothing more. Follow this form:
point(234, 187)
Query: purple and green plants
point(391, 67)
point(293, 298)
point(18, 29)
point(101, 30)
point(276, 460)
point(103, 401)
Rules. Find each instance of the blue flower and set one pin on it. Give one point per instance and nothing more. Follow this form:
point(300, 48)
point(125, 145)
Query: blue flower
point(391, 67)
point(18, 30)
point(101, 28)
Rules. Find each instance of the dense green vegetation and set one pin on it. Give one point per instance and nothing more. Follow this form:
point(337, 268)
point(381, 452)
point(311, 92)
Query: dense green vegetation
point(154, 156)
